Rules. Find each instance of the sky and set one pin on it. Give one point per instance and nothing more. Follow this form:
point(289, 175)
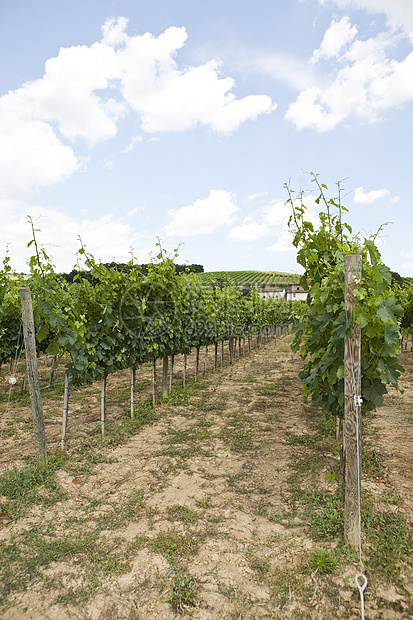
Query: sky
point(125, 123)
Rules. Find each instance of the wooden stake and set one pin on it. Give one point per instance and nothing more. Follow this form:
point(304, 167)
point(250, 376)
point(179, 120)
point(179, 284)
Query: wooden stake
point(205, 360)
point(165, 365)
point(103, 407)
point(33, 373)
point(154, 384)
point(352, 408)
point(171, 372)
point(196, 363)
point(132, 392)
point(65, 410)
point(184, 372)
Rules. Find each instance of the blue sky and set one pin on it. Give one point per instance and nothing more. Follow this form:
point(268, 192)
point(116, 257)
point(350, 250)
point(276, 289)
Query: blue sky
point(123, 121)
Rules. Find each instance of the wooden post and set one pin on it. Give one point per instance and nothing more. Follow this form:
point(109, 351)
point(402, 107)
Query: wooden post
point(205, 360)
point(132, 392)
point(33, 373)
point(184, 372)
point(352, 407)
point(154, 384)
point(171, 373)
point(103, 406)
point(165, 366)
point(65, 410)
point(196, 363)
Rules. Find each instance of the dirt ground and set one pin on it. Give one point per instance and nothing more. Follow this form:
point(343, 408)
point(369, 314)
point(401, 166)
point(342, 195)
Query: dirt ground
point(193, 514)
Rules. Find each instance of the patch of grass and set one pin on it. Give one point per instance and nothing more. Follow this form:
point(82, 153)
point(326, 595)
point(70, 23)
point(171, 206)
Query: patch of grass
point(322, 561)
point(173, 544)
point(204, 503)
point(284, 581)
point(183, 591)
point(258, 564)
point(118, 430)
point(130, 510)
point(237, 433)
point(390, 541)
point(250, 379)
point(309, 441)
point(32, 484)
point(23, 559)
point(372, 462)
point(183, 513)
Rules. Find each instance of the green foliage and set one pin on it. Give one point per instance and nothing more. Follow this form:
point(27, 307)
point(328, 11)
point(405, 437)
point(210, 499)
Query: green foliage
point(323, 561)
point(108, 316)
point(184, 589)
point(320, 336)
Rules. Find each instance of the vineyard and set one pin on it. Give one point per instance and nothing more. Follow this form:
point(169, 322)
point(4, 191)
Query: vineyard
point(256, 278)
point(184, 471)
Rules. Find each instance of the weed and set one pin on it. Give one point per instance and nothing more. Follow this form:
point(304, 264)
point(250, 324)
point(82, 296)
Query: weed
point(390, 540)
point(260, 565)
point(22, 487)
point(204, 503)
point(303, 440)
point(184, 514)
point(372, 463)
point(183, 592)
point(173, 544)
point(23, 558)
point(323, 561)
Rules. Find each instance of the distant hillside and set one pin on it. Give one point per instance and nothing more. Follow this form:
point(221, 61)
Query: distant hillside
point(257, 278)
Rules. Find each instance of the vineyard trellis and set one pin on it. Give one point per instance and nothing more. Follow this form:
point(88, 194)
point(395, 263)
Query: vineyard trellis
point(115, 320)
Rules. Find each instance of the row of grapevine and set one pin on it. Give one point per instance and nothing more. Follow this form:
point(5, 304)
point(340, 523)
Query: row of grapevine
point(115, 319)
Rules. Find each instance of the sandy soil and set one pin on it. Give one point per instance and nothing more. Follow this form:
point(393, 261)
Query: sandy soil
point(195, 494)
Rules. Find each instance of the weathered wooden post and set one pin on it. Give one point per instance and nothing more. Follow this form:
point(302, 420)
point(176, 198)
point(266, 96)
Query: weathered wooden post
point(165, 367)
point(352, 408)
point(65, 410)
point(33, 373)
point(103, 406)
point(154, 384)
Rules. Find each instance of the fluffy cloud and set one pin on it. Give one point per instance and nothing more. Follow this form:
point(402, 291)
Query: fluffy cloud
point(362, 197)
point(204, 216)
point(363, 80)
point(107, 237)
point(284, 243)
point(272, 221)
point(338, 36)
point(249, 231)
point(85, 91)
point(399, 13)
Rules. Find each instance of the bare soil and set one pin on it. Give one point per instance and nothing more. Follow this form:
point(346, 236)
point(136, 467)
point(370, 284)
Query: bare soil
point(203, 491)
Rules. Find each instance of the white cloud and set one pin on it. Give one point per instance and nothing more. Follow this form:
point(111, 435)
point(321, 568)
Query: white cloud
point(204, 216)
point(338, 36)
point(31, 154)
point(257, 195)
point(399, 13)
point(106, 237)
point(279, 66)
point(362, 197)
point(133, 142)
point(135, 211)
point(276, 214)
point(283, 243)
point(249, 231)
point(85, 91)
point(364, 79)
